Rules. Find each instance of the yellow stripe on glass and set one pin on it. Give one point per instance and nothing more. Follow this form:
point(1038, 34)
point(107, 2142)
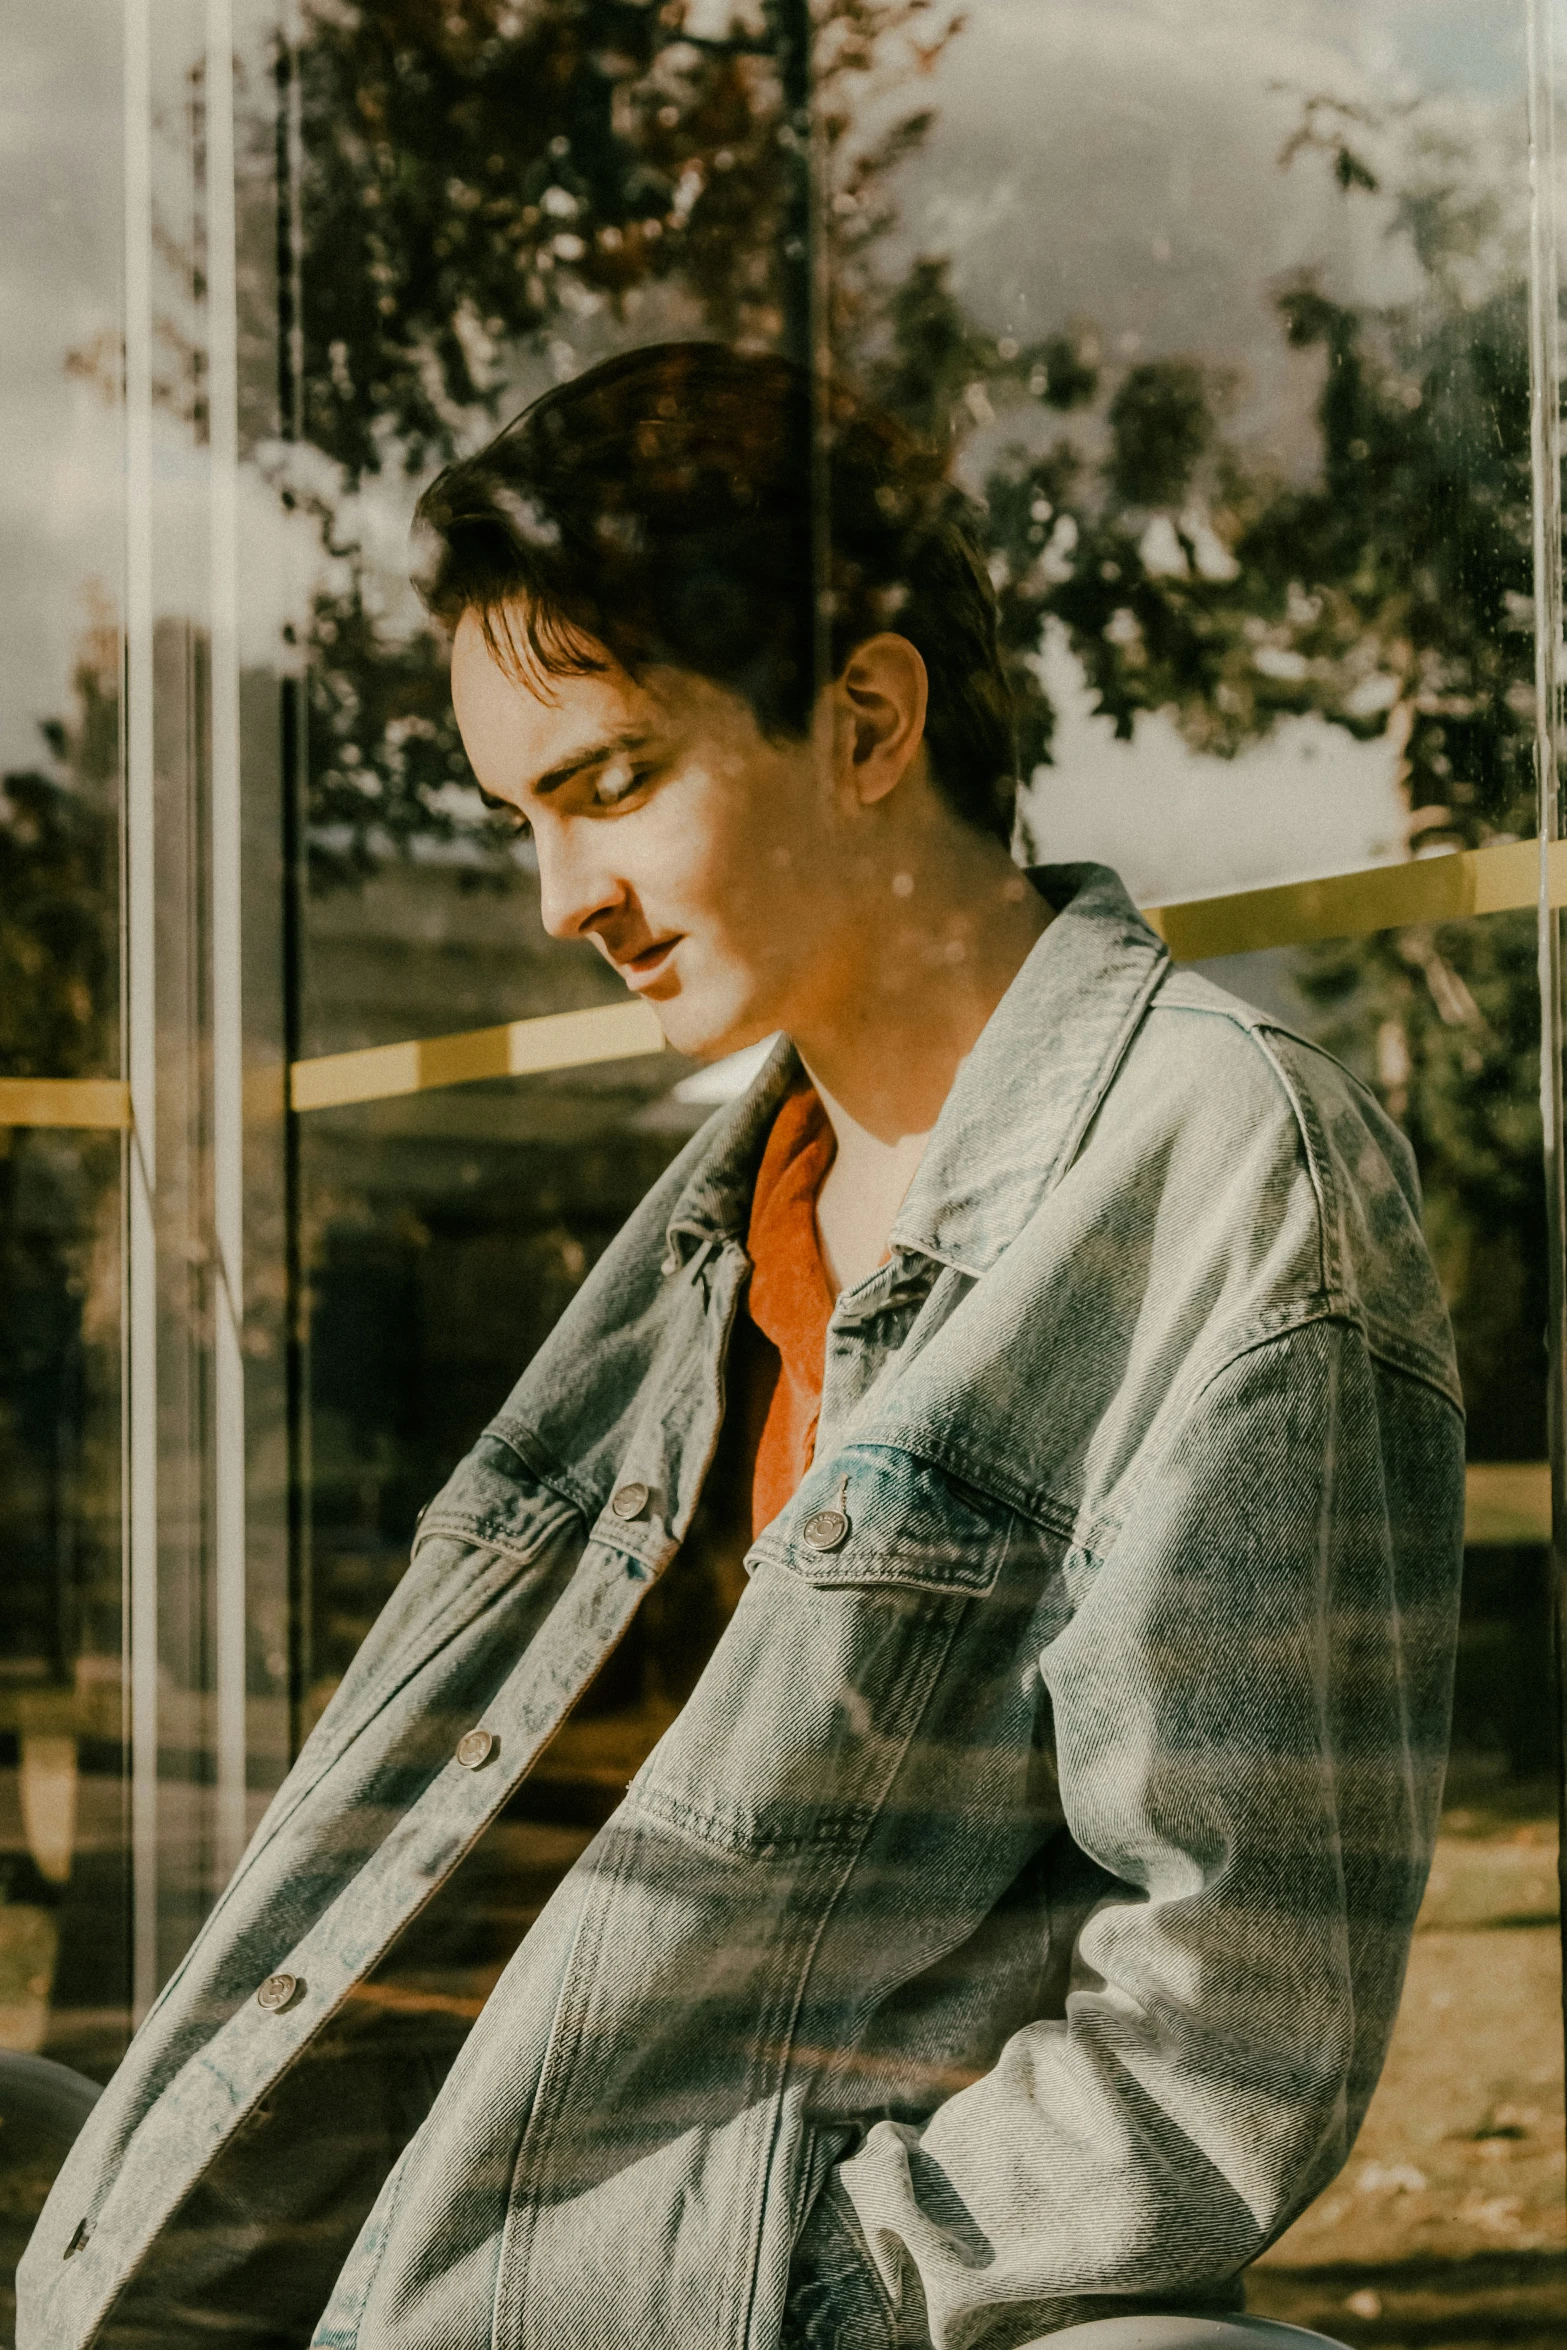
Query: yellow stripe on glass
point(64, 1101)
point(1379, 897)
point(1449, 888)
point(1507, 1502)
point(522, 1048)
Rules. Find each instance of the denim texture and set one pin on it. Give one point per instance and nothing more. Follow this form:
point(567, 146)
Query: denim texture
point(1010, 1927)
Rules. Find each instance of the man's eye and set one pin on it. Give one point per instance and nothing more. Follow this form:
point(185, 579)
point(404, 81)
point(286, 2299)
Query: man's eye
point(617, 782)
point(515, 821)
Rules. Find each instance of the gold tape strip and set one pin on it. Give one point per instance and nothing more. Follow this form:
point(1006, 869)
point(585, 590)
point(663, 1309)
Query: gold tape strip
point(1507, 1501)
point(522, 1048)
point(1341, 905)
point(1347, 905)
point(64, 1101)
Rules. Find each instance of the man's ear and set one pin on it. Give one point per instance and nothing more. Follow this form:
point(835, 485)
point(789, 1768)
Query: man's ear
point(882, 698)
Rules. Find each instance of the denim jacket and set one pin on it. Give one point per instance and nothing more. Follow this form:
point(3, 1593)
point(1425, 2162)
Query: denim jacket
point(1011, 1924)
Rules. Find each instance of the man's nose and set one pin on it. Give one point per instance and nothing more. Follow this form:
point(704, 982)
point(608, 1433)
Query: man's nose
point(575, 886)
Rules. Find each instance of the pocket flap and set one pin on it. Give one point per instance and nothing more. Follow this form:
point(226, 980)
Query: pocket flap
point(493, 1501)
point(875, 1515)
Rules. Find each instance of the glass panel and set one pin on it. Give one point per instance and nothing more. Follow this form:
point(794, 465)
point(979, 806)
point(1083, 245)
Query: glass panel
point(1222, 315)
point(208, 580)
point(502, 241)
point(144, 1686)
point(64, 1916)
point(1252, 433)
point(65, 1924)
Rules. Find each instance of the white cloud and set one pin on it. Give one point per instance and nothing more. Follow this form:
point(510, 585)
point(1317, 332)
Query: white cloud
point(1307, 800)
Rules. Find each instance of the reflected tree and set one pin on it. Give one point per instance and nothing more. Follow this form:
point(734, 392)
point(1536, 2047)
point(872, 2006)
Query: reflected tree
point(491, 189)
point(1388, 594)
point(59, 1290)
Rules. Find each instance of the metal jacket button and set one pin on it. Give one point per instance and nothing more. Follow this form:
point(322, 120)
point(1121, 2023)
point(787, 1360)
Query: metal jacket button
point(475, 1748)
point(825, 1529)
point(629, 1501)
point(278, 1992)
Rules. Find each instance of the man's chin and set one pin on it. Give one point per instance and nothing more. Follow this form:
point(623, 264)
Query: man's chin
point(706, 1033)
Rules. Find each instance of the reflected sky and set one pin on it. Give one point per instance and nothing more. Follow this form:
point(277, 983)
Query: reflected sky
point(60, 276)
point(1115, 160)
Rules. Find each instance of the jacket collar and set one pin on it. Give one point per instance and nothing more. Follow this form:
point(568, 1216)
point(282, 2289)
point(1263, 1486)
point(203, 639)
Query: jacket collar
point(1021, 1103)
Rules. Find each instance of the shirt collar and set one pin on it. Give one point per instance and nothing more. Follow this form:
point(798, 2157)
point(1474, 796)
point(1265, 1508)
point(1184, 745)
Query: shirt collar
point(1020, 1104)
point(1044, 1061)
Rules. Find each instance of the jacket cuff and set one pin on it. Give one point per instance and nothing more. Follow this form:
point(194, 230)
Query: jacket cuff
point(835, 2299)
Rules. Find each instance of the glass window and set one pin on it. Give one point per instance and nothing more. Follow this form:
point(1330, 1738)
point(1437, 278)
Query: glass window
point(64, 1925)
point(323, 1094)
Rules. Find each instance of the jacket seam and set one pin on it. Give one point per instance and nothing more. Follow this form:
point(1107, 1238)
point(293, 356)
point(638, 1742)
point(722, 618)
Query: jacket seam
point(1313, 1144)
point(519, 1438)
point(838, 1831)
point(444, 1627)
point(565, 2047)
point(1405, 1367)
point(1096, 1092)
point(1327, 1308)
point(1329, 1305)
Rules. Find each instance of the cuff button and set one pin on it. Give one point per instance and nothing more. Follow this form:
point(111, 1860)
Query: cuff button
point(629, 1501)
point(278, 1992)
point(475, 1747)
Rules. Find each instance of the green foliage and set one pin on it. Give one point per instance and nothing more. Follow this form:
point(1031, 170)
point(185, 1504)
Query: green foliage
point(483, 184)
point(488, 184)
point(59, 966)
point(1161, 425)
point(478, 174)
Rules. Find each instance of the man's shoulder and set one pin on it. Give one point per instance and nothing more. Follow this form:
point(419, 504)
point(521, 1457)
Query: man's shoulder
point(1211, 1062)
point(1261, 1131)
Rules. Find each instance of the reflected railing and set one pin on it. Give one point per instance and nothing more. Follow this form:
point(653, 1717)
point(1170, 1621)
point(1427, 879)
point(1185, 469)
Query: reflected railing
point(1506, 1502)
point(1453, 887)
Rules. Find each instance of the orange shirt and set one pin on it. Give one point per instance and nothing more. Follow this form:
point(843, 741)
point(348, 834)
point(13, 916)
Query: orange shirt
point(790, 1299)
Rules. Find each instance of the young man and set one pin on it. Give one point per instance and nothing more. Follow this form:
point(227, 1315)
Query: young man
point(1010, 1926)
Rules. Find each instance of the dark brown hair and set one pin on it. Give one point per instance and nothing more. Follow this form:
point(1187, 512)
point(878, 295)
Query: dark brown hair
point(659, 509)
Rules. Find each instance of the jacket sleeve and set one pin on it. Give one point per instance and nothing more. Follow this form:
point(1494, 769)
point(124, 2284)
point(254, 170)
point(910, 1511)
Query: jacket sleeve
point(1250, 1714)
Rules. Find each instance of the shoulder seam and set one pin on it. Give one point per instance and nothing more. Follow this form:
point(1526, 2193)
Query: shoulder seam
point(1259, 1025)
point(1313, 1151)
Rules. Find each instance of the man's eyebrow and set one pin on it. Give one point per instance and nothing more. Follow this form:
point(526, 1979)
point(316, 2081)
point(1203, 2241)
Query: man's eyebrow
point(594, 756)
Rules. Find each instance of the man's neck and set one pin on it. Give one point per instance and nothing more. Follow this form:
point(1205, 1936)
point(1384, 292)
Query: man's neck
point(944, 944)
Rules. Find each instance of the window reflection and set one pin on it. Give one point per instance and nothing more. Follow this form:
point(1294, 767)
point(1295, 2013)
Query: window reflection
point(1223, 317)
point(1252, 431)
point(64, 1889)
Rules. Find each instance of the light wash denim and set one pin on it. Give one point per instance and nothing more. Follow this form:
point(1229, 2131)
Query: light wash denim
point(1010, 1927)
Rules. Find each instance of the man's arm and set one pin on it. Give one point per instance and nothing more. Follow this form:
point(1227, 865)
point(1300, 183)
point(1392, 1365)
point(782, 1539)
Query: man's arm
point(1250, 1717)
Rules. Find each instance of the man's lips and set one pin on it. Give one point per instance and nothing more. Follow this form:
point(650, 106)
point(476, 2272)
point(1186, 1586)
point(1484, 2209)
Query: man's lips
point(641, 969)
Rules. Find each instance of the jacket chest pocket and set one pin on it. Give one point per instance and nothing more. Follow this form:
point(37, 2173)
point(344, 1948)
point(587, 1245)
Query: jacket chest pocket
point(809, 1704)
point(876, 1518)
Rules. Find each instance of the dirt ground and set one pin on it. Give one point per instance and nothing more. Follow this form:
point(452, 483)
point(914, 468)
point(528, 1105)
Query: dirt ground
point(1448, 2227)
point(1447, 2230)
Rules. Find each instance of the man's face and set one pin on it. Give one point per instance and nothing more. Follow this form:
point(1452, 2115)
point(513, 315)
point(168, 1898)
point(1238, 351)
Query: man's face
point(695, 854)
